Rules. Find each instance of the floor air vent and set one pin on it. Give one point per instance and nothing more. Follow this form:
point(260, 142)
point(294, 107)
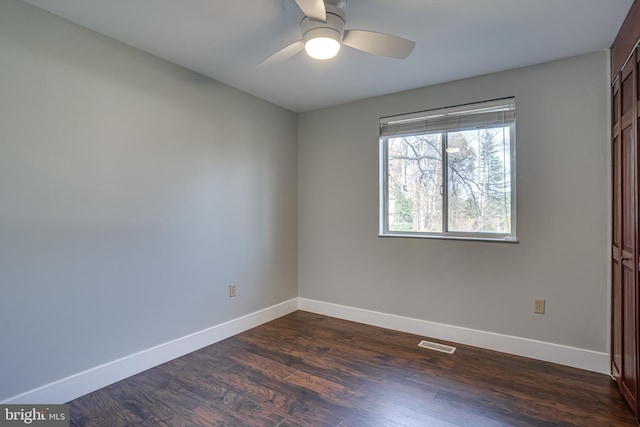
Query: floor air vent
point(437, 347)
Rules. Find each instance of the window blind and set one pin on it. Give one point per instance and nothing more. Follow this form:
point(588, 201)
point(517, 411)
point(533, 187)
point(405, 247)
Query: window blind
point(496, 113)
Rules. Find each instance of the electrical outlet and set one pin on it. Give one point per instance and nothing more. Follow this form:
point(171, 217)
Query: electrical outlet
point(232, 290)
point(538, 306)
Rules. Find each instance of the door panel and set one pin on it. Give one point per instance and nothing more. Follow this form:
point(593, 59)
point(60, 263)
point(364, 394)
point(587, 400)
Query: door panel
point(616, 316)
point(629, 363)
point(625, 210)
point(624, 278)
point(616, 276)
point(616, 236)
point(627, 263)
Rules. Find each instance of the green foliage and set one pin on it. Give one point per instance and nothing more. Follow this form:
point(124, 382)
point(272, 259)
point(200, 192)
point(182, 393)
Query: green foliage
point(402, 226)
point(478, 186)
point(403, 214)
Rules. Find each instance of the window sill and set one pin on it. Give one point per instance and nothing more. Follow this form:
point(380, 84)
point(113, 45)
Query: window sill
point(482, 238)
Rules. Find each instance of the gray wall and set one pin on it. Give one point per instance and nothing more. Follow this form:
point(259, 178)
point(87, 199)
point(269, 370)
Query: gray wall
point(562, 208)
point(132, 192)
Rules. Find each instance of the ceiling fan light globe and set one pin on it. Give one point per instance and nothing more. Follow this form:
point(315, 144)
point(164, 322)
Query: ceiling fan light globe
point(322, 47)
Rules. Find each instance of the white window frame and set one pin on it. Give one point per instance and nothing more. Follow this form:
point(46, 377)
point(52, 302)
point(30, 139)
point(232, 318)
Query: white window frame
point(441, 121)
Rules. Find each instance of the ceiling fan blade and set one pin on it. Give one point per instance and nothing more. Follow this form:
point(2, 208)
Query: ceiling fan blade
point(313, 9)
point(283, 54)
point(378, 43)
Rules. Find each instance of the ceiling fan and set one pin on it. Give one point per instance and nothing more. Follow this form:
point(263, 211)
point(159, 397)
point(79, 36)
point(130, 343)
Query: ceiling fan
point(323, 34)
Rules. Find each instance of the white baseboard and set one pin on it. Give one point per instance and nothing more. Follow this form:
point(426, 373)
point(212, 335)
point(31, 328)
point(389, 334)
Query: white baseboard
point(540, 350)
point(77, 385)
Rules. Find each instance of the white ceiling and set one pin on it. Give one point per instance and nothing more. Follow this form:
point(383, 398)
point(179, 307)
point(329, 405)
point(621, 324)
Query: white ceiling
point(455, 39)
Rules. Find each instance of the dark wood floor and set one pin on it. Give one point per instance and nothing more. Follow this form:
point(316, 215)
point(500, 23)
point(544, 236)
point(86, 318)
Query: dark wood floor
point(310, 370)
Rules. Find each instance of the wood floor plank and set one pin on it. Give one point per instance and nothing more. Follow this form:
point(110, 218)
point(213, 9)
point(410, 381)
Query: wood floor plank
point(309, 370)
point(100, 409)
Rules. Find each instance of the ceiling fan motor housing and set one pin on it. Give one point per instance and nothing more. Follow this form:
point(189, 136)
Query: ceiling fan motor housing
point(333, 28)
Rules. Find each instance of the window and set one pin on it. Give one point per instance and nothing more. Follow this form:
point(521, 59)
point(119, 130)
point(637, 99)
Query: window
point(449, 173)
